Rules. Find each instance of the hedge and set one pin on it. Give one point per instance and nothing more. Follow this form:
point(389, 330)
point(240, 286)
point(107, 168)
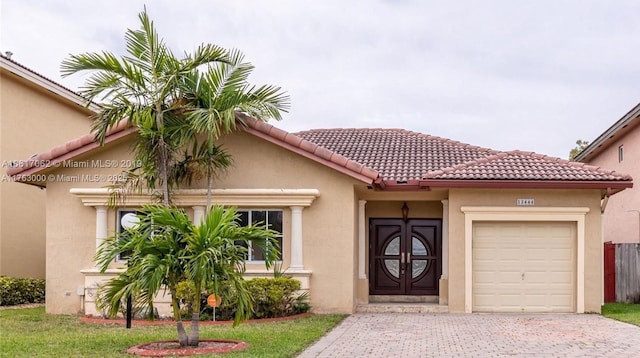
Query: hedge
point(17, 291)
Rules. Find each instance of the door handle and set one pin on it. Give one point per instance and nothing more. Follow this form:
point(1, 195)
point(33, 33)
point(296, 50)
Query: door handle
point(402, 258)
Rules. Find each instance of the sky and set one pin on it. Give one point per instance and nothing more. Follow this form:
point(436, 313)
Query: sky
point(502, 74)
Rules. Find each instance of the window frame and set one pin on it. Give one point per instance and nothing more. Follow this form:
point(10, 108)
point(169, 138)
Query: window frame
point(280, 238)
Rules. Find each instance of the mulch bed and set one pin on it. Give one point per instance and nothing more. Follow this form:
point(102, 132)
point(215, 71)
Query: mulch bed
point(120, 321)
point(172, 348)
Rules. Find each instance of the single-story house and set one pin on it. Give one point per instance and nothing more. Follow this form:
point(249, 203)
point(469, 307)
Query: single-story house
point(617, 148)
point(365, 215)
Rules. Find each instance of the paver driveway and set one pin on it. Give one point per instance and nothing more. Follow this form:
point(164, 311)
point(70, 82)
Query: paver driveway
point(478, 335)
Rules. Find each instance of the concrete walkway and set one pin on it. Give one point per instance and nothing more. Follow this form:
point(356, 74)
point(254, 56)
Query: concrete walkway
point(478, 335)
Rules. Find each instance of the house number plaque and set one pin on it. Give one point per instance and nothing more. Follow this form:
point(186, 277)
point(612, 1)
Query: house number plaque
point(524, 202)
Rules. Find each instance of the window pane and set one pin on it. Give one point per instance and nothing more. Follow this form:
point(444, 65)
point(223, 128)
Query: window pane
point(270, 218)
point(245, 245)
point(244, 218)
point(258, 216)
point(275, 221)
point(393, 248)
point(258, 254)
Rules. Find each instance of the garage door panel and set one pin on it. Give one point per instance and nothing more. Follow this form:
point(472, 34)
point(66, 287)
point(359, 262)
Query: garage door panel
point(523, 267)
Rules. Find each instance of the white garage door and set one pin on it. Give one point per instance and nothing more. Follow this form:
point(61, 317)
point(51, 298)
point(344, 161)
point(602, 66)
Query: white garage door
point(524, 267)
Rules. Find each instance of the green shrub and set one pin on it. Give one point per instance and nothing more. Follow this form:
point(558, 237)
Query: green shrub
point(16, 291)
point(273, 297)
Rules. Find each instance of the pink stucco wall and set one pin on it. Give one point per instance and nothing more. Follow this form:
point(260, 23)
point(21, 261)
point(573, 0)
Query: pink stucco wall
point(622, 215)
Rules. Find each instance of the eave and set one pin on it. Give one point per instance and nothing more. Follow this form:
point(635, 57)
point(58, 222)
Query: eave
point(612, 134)
point(46, 84)
point(614, 186)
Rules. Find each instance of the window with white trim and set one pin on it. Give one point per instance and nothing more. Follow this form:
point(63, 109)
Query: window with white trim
point(272, 219)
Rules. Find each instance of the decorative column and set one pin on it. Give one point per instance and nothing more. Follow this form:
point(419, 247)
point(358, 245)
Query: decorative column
point(445, 239)
point(101, 225)
point(198, 214)
point(296, 238)
point(361, 239)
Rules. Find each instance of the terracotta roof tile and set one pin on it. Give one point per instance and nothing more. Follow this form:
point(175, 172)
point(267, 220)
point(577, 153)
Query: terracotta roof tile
point(397, 154)
point(518, 165)
point(67, 151)
point(388, 157)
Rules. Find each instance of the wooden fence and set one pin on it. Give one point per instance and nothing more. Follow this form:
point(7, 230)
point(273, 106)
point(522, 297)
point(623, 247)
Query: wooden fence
point(627, 272)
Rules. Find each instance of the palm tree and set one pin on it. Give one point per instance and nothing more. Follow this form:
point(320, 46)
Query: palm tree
point(166, 248)
point(215, 100)
point(145, 87)
point(172, 102)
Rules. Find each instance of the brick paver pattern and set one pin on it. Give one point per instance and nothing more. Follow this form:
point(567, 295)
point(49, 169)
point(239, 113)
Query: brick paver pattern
point(478, 335)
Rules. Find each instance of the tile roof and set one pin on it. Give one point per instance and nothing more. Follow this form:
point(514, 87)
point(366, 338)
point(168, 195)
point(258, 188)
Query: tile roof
point(397, 154)
point(395, 159)
point(67, 151)
point(518, 165)
point(404, 157)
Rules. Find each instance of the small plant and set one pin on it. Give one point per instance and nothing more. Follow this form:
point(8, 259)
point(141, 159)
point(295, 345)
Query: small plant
point(272, 297)
point(17, 291)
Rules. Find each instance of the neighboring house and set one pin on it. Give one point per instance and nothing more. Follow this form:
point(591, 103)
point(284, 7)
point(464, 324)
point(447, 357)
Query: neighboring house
point(35, 115)
point(618, 148)
point(366, 215)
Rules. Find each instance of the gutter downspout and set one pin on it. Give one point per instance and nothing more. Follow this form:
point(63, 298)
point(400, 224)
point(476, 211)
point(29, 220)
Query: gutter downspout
point(603, 207)
point(605, 200)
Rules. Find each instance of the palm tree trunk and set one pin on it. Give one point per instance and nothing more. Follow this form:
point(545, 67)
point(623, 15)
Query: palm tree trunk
point(194, 334)
point(209, 188)
point(163, 172)
point(164, 156)
point(183, 339)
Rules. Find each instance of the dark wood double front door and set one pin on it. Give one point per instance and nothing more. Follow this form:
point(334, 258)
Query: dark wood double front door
point(405, 257)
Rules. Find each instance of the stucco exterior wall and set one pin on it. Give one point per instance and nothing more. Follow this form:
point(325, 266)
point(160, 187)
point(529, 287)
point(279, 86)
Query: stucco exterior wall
point(32, 120)
point(329, 224)
point(71, 228)
point(622, 215)
point(543, 198)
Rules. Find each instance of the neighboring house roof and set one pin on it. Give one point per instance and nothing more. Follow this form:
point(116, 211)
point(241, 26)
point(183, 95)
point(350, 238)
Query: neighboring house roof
point(393, 159)
point(44, 82)
point(611, 135)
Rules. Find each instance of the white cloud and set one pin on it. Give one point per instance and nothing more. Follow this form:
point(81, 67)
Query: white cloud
point(500, 74)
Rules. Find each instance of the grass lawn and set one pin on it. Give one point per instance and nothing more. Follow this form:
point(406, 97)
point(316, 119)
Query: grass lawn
point(624, 312)
point(29, 332)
